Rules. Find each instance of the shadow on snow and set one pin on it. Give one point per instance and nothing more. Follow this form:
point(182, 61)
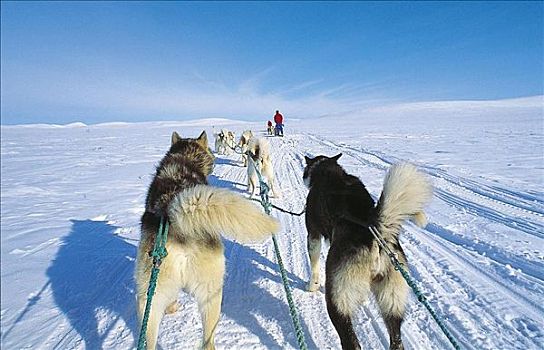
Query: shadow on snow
point(246, 302)
point(92, 280)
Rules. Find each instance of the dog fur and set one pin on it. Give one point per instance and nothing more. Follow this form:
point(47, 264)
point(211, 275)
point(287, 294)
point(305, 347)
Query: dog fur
point(198, 214)
point(247, 135)
point(225, 141)
point(340, 209)
point(259, 159)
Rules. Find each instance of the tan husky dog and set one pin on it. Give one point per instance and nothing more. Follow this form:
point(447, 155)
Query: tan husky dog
point(198, 214)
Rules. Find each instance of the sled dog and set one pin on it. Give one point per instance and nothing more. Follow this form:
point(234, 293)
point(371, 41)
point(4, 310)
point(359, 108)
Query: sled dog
point(198, 214)
point(224, 142)
point(243, 144)
point(340, 209)
point(231, 141)
point(259, 159)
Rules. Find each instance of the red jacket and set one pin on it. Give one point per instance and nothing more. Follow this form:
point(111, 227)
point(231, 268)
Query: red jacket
point(278, 118)
point(269, 123)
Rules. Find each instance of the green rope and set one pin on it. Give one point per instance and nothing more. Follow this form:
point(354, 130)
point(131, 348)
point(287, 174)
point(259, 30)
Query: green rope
point(399, 267)
point(159, 252)
point(267, 206)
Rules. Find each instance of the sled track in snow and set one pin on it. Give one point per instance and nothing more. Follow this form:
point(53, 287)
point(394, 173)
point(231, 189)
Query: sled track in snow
point(255, 313)
point(488, 292)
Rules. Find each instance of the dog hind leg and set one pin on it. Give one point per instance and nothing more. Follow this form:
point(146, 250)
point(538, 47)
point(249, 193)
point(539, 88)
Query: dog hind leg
point(252, 184)
point(209, 293)
point(163, 297)
point(393, 327)
point(342, 324)
point(391, 293)
point(345, 290)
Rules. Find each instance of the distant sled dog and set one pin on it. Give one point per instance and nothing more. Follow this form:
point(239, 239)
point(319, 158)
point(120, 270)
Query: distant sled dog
point(247, 135)
point(259, 159)
point(340, 209)
point(198, 214)
point(224, 142)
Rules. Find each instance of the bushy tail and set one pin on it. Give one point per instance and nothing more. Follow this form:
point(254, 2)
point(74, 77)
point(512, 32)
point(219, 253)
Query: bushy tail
point(204, 211)
point(405, 193)
point(265, 147)
point(259, 147)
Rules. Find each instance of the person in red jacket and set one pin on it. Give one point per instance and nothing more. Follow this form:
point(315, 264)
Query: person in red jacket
point(270, 128)
point(278, 119)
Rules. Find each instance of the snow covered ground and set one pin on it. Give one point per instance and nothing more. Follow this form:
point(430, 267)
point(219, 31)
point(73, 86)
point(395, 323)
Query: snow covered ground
point(71, 198)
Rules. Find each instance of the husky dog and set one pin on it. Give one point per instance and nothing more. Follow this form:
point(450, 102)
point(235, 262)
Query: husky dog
point(230, 141)
point(243, 144)
point(259, 159)
point(340, 209)
point(218, 143)
point(198, 214)
point(224, 142)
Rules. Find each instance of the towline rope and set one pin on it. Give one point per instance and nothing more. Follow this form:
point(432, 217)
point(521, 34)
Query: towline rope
point(159, 252)
point(265, 202)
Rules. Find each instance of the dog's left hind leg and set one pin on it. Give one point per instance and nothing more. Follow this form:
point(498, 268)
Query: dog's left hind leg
point(342, 323)
point(161, 300)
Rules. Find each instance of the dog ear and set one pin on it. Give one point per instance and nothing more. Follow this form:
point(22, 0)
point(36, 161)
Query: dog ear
point(336, 157)
point(308, 159)
point(175, 137)
point(203, 139)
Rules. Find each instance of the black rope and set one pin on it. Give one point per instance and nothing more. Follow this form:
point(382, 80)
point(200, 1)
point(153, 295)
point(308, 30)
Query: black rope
point(283, 210)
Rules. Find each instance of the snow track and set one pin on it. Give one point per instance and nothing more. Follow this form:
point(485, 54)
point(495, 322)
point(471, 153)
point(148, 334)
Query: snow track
point(68, 254)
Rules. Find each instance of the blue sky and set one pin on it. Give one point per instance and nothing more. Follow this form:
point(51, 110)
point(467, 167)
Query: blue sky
point(97, 61)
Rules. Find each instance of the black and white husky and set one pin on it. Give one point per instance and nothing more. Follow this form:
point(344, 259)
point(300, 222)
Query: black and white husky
point(225, 142)
point(340, 209)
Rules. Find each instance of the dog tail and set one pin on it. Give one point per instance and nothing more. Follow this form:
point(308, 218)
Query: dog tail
point(260, 147)
point(265, 146)
point(405, 193)
point(207, 212)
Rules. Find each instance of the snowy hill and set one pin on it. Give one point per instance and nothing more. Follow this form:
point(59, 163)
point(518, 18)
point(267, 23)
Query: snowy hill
point(71, 198)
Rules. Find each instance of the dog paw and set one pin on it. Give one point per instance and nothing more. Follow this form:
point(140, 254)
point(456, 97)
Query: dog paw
point(172, 308)
point(312, 286)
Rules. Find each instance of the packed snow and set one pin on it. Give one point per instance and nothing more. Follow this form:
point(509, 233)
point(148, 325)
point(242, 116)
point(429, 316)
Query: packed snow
point(72, 196)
